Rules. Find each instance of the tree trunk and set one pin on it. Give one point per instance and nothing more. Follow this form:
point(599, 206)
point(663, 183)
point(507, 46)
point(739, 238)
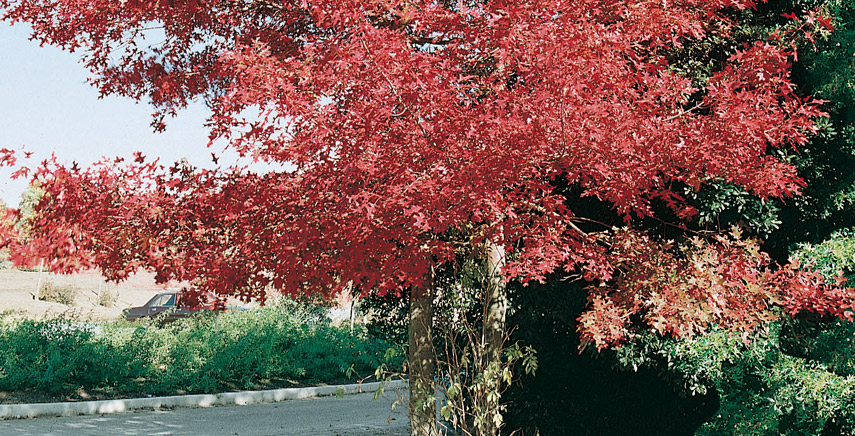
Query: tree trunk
point(497, 301)
point(495, 310)
point(37, 296)
point(352, 313)
point(422, 407)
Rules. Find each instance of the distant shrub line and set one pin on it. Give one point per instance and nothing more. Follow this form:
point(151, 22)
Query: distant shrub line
point(235, 350)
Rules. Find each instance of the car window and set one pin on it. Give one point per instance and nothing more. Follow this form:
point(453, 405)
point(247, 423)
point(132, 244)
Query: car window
point(167, 300)
point(155, 301)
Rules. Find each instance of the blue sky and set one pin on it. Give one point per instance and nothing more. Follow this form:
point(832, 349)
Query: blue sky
point(47, 107)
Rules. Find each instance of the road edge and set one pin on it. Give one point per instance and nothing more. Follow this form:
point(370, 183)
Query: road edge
point(102, 407)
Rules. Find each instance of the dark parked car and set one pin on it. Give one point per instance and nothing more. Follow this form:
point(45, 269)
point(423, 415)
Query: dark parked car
point(164, 302)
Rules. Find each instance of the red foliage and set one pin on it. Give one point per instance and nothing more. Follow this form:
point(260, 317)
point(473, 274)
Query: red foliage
point(404, 122)
point(683, 290)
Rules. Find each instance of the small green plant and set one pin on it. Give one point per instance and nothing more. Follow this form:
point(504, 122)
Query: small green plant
point(58, 294)
point(107, 298)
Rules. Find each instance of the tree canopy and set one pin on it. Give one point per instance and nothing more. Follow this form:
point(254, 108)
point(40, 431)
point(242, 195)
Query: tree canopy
point(411, 130)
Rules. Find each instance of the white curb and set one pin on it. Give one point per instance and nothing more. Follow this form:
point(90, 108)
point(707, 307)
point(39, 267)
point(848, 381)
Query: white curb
point(18, 411)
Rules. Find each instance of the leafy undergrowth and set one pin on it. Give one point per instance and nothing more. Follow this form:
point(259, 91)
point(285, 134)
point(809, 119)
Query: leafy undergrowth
point(795, 379)
point(270, 347)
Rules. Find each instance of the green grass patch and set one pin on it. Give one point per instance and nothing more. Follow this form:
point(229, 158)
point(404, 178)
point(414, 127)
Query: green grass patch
point(268, 347)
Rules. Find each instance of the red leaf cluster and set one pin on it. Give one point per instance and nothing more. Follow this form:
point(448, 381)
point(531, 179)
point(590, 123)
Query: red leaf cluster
point(725, 281)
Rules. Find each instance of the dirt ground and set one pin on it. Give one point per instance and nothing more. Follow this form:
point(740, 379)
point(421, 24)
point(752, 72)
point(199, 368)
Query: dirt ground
point(17, 294)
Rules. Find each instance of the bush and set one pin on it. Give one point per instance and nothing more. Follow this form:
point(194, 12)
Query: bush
point(590, 393)
point(832, 256)
point(107, 298)
point(262, 348)
point(58, 294)
point(765, 388)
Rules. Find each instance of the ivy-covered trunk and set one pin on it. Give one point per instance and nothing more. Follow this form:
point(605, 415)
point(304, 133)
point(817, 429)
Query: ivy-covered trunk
point(422, 407)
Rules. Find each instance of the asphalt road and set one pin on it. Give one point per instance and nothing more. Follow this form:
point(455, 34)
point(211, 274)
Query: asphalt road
point(352, 415)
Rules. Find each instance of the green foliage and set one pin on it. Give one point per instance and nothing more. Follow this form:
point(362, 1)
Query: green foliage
point(835, 254)
point(459, 295)
point(470, 380)
point(765, 389)
point(691, 365)
point(790, 397)
point(831, 344)
point(387, 317)
point(29, 199)
point(832, 63)
point(587, 393)
point(266, 347)
point(473, 379)
point(827, 71)
point(796, 378)
point(721, 205)
point(301, 309)
point(699, 59)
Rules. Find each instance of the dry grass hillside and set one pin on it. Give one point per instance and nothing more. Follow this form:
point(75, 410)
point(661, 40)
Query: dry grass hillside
point(93, 297)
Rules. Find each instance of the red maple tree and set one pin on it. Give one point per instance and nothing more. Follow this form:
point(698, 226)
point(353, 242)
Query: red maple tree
point(412, 129)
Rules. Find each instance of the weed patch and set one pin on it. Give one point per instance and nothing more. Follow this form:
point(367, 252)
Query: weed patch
point(58, 294)
point(107, 298)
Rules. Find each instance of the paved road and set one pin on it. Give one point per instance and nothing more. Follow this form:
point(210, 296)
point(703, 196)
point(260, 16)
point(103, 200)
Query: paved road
point(352, 415)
